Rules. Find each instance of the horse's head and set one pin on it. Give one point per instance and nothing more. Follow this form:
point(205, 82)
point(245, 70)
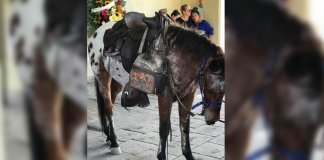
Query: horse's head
point(213, 88)
point(294, 100)
point(132, 97)
point(296, 90)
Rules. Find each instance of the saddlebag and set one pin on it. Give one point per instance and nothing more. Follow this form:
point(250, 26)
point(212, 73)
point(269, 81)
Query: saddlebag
point(148, 74)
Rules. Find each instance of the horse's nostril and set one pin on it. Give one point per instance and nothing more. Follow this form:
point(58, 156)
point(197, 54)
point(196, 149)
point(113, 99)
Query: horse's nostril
point(210, 122)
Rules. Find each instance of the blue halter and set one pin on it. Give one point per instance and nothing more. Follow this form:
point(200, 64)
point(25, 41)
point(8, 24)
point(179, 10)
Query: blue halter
point(204, 101)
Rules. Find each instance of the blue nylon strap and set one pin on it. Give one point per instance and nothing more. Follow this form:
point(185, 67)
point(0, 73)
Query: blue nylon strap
point(197, 105)
point(214, 105)
point(197, 81)
point(295, 155)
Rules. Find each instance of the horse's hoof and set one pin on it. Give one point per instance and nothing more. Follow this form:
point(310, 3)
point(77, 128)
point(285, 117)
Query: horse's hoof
point(108, 142)
point(115, 151)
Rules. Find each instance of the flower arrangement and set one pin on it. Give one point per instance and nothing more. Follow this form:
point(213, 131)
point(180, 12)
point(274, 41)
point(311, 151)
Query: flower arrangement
point(102, 15)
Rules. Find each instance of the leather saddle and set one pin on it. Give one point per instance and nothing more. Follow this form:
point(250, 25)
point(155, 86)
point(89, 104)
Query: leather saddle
point(124, 39)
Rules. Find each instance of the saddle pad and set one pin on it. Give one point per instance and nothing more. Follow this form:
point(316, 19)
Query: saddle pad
point(116, 70)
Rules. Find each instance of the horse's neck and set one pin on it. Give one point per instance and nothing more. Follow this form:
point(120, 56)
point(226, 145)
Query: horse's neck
point(184, 69)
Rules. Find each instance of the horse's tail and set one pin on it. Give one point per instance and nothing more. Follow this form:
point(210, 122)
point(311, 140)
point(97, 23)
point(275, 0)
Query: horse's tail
point(101, 109)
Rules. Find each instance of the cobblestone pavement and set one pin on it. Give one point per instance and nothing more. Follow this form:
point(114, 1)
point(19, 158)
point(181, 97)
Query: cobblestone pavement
point(137, 132)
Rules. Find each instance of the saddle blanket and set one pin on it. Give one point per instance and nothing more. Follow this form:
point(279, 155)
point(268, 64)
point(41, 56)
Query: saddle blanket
point(115, 68)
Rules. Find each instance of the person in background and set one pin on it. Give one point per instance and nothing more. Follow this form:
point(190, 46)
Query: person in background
point(185, 19)
point(202, 24)
point(201, 9)
point(174, 15)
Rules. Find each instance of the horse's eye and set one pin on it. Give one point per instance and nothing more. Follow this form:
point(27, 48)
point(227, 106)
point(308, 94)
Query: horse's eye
point(214, 66)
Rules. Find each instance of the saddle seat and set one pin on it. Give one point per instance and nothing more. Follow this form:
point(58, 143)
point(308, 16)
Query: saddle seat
point(134, 21)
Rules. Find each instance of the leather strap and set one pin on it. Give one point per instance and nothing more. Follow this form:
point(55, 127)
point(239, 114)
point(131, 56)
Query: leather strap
point(140, 49)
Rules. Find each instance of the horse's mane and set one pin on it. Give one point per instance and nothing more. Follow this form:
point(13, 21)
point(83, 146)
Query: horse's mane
point(266, 24)
point(192, 42)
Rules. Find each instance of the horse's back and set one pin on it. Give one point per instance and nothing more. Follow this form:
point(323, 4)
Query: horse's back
point(99, 54)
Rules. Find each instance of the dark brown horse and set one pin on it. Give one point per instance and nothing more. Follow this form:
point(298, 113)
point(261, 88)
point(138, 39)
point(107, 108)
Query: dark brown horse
point(188, 58)
point(274, 63)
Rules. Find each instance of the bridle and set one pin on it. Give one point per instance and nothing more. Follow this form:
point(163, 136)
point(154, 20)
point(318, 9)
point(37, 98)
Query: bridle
point(259, 100)
point(205, 101)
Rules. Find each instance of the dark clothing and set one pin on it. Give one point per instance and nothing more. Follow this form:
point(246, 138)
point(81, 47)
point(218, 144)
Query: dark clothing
point(205, 26)
point(188, 24)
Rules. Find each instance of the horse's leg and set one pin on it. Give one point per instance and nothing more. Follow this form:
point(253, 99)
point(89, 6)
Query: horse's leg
point(236, 150)
point(105, 91)
point(47, 111)
point(116, 88)
point(102, 110)
point(165, 103)
point(36, 140)
point(184, 122)
point(73, 117)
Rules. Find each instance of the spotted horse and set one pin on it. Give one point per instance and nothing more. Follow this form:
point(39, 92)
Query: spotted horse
point(50, 57)
point(185, 59)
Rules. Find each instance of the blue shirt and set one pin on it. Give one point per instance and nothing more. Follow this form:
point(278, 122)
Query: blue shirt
point(205, 26)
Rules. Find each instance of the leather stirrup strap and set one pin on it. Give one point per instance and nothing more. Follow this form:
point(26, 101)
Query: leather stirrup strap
point(140, 49)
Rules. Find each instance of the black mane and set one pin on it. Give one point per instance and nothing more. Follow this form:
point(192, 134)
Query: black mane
point(192, 42)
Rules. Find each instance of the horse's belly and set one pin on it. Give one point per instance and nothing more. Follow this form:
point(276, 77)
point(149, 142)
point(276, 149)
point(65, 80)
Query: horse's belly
point(116, 70)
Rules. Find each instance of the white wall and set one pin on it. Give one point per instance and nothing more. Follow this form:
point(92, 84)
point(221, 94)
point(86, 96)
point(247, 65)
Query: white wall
point(316, 17)
point(149, 7)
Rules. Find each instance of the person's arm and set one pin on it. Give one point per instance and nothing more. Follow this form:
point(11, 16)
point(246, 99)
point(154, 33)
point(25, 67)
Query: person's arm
point(209, 29)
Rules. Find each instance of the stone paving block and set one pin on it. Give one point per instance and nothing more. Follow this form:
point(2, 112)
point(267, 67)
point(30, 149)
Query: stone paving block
point(195, 123)
point(208, 130)
point(198, 157)
point(97, 143)
point(218, 140)
point(151, 137)
point(136, 147)
point(151, 155)
point(124, 135)
point(142, 128)
point(106, 155)
point(93, 134)
point(196, 139)
point(210, 149)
